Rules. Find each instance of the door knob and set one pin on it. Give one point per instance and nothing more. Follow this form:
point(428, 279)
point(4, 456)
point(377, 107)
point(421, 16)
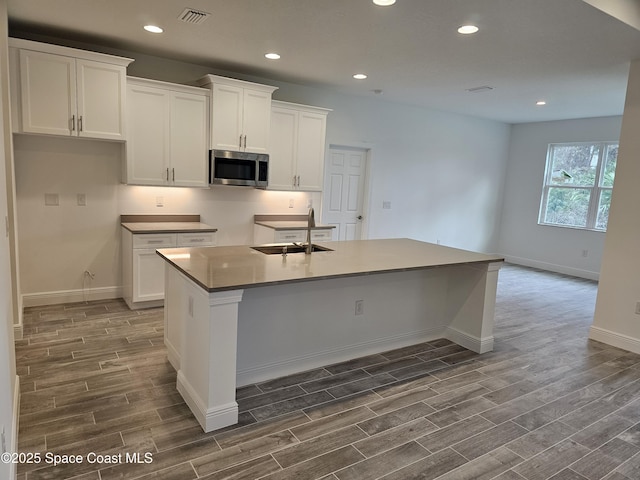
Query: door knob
point(359, 217)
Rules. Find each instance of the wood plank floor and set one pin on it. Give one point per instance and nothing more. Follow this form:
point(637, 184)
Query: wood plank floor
point(546, 404)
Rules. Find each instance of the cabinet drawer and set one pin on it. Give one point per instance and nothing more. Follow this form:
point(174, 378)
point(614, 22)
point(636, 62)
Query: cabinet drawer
point(322, 235)
point(206, 239)
point(290, 236)
point(154, 240)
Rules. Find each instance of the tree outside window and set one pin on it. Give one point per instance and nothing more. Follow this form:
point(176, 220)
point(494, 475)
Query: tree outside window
point(577, 185)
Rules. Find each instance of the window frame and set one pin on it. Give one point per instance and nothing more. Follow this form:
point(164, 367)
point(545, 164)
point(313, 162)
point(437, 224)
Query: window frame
point(596, 190)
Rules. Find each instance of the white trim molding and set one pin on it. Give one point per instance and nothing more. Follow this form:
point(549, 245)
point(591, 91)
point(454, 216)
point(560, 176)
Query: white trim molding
point(615, 339)
point(475, 344)
point(70, 296)
point(552, 267)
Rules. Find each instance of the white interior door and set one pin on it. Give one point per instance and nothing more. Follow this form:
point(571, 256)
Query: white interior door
point(344, 192)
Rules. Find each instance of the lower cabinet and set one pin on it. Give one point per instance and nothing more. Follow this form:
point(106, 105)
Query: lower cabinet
point(143, 269)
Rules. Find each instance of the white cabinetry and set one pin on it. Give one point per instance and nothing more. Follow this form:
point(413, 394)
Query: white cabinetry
point(262, 235)
point(296, 160)
point(240, 114)
point(143, 269)
point(167, 139)
point(63, 91)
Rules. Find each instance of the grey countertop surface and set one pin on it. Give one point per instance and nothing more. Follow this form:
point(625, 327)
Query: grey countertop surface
point(237, 267)
point(168, 227)
point(290, 225)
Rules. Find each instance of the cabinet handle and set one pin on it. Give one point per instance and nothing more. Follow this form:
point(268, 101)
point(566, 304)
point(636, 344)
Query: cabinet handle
point(196, 240)
point(80, 123)
point(73, 123)
point(294, 180)
point(245, 142)
point(298, 180)
point(167, 174)
point(173, 174)
point(240, 142)
point(153, 241)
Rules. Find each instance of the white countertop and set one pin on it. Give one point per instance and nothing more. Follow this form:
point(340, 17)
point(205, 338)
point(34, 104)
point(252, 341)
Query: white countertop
point(237, 267)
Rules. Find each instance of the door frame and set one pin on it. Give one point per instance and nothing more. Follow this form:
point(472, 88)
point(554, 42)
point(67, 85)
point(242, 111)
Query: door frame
point(366, 194)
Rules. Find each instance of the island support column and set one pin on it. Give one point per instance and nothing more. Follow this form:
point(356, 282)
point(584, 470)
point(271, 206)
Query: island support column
point(471, 303)
point(207, 375)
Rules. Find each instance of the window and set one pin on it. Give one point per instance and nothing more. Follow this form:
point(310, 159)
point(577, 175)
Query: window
point(577, 185)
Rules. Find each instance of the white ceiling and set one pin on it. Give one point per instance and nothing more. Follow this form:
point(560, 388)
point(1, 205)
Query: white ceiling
point(566, 52)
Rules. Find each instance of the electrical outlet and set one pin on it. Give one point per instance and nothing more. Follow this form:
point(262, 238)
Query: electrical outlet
point(159, 201)
point(81, 199)
point(637, 308)
point(359, 307)
point(291, 203)
point(386, 205)
point(585, 253)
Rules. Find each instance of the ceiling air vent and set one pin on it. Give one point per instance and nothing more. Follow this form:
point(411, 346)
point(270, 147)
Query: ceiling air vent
point(484, 88)
point(192, 16)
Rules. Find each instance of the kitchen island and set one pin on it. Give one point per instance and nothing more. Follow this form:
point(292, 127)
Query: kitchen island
point(235, 316)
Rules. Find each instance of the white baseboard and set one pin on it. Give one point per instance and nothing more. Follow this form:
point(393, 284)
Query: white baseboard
point(17, 332)
point(70, 296)
point(475, 344)
point(615, 339)
point(209, 419)
point(298, 364)
point(552, 267)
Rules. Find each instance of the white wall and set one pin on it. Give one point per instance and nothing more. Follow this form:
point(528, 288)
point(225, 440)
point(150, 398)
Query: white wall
point(522, 240)
point(615, 321)
point(8, 379)
point(443, 173)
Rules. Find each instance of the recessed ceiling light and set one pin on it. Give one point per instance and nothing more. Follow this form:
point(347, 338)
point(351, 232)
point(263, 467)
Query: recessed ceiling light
point(272, 56)
point(153, 29)
point(467, 29)
point(541, 102)
point(384, 3)
point(359, 76)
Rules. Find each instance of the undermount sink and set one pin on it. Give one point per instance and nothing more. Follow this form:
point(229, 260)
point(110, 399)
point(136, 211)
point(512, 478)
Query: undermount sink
point(290, 248)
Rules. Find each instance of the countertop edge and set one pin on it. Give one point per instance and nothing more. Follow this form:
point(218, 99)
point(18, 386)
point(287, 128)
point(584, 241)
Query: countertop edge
point(322, 277)
point(190, 229)
point(270, 224)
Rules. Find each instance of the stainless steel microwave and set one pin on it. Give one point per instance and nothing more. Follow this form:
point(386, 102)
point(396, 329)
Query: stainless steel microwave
point(238, 168)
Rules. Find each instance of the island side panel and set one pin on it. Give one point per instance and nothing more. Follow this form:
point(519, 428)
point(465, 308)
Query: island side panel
point(207, 352)
point(471, 299)
point(289, 328)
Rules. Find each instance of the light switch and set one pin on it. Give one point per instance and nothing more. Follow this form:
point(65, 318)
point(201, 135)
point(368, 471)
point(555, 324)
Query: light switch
point(51, 199)
point(386, 205)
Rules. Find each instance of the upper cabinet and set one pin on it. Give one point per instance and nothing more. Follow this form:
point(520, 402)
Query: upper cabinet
point(296, 160)
point(240, 114)
point(64, 91)
point(168, 134)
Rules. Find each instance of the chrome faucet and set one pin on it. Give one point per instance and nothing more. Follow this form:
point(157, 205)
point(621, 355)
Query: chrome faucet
point(311, 222)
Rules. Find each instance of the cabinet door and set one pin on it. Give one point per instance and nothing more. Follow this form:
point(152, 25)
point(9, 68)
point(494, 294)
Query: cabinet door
point(147, 135)
point(100, 96)
point(310, 150)
point(226, 127)
point(284, 131)
point(148, 276)
point(189, 139)
point(48, 88)
point(256, 121)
